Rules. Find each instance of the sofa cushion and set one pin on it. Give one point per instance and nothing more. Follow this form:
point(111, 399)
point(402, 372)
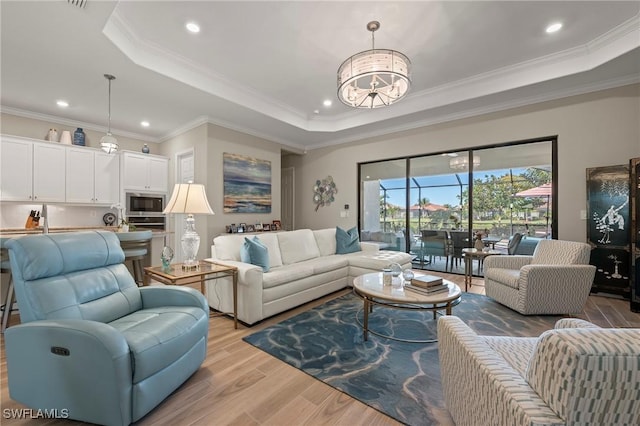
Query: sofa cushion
point(326, 240)
point(228, 247)
point(378, 259)
point(270, 241)
point(347, 241)
point(296, 246)
point(286, 274)
point(253, 251)
point(159, 336)
point(504, 276)
point(324, 264)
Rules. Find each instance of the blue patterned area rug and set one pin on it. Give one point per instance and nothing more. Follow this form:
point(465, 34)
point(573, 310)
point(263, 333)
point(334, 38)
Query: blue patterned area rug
point(399, 379)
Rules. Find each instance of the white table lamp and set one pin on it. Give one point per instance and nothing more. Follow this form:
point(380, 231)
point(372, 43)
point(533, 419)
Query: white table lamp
point(189, 199)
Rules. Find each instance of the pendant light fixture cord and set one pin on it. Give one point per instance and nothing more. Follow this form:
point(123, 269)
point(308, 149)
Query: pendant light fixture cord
point(109, 77)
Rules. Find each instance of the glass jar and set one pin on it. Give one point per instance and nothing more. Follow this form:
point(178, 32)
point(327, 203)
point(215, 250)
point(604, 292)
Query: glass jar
point(387, 276)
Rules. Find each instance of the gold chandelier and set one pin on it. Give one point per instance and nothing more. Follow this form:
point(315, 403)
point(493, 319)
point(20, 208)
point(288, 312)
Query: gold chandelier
point(374, 78)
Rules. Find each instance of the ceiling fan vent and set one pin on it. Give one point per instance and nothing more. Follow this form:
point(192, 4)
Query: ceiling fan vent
point(78, 3)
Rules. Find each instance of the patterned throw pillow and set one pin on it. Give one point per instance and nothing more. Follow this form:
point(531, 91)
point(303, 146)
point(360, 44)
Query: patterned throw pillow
point(347, 241)
point(255, 253)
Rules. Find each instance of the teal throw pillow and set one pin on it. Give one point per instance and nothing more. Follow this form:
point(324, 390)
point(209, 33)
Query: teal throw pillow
point(347, 241)
point(255, 252)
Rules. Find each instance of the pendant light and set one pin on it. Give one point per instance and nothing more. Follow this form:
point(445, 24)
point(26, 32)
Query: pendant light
point(374, 78)
point(108, 143)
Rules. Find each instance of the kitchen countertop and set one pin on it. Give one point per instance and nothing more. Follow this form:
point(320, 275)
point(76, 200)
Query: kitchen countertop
point(16, 232)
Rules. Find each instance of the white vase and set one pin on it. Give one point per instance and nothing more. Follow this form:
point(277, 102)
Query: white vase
point(52, 135)
point(65, 138)
point(479, 245)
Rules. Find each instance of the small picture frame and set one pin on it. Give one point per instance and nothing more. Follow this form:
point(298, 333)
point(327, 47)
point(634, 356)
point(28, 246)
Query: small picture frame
point(228, 229)
point(276, 225)
point(251, 228)
point(258, 227)
point(234, 228)
point(266, 227)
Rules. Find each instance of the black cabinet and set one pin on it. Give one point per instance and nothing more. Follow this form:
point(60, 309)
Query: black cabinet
point(634, 168)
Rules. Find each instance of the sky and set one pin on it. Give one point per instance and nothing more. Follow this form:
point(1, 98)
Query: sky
point(441, 189)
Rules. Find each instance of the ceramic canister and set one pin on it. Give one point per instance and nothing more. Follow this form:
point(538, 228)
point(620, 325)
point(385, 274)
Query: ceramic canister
point(53, 135)
point(65, 138)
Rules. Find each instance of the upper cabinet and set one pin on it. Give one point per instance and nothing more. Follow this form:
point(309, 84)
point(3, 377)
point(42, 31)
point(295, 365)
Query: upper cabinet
point(93, 177)
point(32, 171)
point(144, 172)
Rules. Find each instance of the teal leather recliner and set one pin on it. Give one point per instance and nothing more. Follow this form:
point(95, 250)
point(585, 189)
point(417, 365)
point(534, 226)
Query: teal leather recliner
point(91, 343)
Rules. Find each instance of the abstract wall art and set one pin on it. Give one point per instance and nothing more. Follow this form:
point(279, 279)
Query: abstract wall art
point(247, 184)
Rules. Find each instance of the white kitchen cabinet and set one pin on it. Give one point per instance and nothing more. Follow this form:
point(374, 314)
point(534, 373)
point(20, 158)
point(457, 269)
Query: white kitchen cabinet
point(16, 170)
point(32, 171)
point(49, 163)
point(145, 172)
point(92, 177)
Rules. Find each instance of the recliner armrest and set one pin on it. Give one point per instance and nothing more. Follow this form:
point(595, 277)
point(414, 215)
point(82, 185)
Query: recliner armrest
point(69, 364)
point(172, 295)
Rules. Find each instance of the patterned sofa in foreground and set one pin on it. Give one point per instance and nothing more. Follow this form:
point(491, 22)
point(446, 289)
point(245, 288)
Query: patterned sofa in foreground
point(576, 374)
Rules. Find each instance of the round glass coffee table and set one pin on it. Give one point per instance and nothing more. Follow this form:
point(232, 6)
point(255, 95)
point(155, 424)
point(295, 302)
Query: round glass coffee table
point(372, 291)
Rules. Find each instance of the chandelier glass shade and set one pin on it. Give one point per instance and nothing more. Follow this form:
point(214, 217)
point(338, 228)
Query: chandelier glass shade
point(108, 142)
point(374, 78)
point(462, 163)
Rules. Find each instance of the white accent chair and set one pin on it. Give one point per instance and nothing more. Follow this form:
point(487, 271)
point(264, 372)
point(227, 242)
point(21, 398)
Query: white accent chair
point(555, 280)
point(577, 374)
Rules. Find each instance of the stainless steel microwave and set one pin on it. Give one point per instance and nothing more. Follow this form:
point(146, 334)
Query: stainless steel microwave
point(144, 204)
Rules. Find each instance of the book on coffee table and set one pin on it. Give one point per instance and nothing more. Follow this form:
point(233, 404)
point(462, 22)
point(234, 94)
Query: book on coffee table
point(428, 291)
point(426, 281)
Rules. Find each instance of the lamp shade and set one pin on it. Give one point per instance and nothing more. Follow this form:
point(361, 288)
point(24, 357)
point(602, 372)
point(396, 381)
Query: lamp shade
point(188, 198)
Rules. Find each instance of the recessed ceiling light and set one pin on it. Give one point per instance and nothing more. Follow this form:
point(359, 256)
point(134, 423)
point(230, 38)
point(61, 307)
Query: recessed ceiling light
point(62, 103)
point(554, 27)
point(193, 27)
point(144, 123)
point(327, 103)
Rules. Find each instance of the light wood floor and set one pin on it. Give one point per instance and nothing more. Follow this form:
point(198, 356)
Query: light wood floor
point(241, 385)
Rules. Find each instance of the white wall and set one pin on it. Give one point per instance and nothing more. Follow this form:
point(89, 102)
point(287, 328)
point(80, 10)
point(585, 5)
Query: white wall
point(209, 142)
point(223, 140)
point(596, 129)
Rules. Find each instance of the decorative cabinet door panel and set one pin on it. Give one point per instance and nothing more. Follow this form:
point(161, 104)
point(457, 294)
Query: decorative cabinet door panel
point(49, 174)
point(16, 175)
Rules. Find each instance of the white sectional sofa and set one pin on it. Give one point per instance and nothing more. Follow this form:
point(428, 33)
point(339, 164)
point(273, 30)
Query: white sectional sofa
point(303, 266)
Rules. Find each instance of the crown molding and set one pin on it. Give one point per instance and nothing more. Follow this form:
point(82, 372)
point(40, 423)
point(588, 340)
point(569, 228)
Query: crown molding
point(487, 109)
point(168, 63)
point(612, 44)
point(74, 123)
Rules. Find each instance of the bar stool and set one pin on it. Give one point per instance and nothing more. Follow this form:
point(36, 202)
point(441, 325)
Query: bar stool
point(5, 268)
point(136, 245)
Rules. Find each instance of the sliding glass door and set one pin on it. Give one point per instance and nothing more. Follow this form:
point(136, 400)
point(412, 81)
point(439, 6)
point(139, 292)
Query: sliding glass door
point(434, 206)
